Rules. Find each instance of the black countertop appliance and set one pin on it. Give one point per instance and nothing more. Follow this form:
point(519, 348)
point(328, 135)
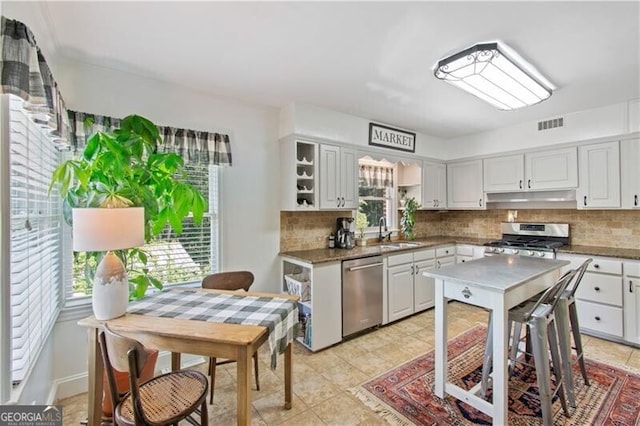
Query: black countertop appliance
point(345, 235)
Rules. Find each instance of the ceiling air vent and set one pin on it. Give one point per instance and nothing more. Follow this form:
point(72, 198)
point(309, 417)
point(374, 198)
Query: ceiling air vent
point(550, 124)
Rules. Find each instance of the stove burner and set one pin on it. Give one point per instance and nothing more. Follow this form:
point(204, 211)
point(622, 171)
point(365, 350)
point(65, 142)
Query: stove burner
point(534, 243)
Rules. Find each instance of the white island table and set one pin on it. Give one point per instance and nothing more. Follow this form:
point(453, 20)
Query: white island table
point(497, 283)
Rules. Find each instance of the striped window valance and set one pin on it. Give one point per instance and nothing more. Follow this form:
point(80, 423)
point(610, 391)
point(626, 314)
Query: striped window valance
point(25, 73)
point(192, 145)
point(376, 176)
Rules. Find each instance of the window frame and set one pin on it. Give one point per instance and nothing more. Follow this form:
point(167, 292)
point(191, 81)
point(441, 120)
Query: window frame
point(392, 219)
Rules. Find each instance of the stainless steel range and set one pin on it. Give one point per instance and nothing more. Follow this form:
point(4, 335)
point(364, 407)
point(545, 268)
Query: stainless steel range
point(529, 239)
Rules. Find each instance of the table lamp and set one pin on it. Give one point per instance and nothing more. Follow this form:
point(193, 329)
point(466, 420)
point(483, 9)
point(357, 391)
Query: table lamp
point(106, 229)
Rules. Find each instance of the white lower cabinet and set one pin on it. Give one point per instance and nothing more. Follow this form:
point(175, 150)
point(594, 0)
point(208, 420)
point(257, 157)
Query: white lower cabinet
point(320, 307)
point(408, 291)
point(466, 252)
point(599, 297)
point(445, 256)
point(631, 288)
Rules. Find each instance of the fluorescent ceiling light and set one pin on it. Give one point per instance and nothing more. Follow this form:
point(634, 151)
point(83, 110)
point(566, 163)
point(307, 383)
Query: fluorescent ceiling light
point(486, 72)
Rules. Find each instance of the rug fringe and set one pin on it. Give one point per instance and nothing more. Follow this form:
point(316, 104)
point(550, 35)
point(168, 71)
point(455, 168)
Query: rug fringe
point(387, 413)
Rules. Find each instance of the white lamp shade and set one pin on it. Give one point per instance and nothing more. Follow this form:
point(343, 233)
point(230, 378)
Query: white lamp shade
point(103, 229)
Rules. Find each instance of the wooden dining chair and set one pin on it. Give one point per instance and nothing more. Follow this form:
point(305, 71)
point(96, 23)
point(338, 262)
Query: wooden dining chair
point(163, 400)
point(232, 280)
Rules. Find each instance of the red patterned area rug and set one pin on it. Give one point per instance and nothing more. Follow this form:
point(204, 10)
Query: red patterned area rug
point(403, 396)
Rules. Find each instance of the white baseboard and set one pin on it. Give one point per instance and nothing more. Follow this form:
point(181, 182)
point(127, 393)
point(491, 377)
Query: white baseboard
point(79, 383)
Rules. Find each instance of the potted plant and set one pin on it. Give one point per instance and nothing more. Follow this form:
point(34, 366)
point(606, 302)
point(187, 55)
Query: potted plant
point(122, 168)
point(408, 220)
point(361, 223)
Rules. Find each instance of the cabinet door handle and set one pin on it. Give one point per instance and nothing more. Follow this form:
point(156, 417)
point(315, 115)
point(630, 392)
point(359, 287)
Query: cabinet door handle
point(520, 184)
point(338, 202)
point(413, 271)
point(529, 183)
point(597, 318)
point(437, 264)
point(342, 203)
point(630, 286)
point(585, 200)
point(635, 200)
point(596, 288)
point(417, 269)
point(480, 202)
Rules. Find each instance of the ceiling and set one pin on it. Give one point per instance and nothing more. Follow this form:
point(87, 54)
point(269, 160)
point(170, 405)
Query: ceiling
point(370, 59)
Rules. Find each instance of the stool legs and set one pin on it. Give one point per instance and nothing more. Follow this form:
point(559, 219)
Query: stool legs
point(575, 330)
point(562, 322)
point(541, 332)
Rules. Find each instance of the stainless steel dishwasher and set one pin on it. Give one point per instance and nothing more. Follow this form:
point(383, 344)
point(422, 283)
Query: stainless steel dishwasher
point(361, 294)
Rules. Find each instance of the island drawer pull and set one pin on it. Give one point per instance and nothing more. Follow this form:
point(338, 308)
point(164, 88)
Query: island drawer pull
point(466, 292)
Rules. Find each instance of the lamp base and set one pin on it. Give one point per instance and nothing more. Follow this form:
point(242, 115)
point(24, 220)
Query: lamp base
point(110, 288)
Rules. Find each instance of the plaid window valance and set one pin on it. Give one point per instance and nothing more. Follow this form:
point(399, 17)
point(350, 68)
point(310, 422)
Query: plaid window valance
point(192, 145)
point(376, 176)
point(25, 73)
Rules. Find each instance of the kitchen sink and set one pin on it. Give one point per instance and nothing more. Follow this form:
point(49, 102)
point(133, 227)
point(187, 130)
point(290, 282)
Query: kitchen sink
point(396, 246)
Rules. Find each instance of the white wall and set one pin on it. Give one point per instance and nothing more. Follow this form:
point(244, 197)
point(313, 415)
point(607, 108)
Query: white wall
point(324, 124)
point(606, 121)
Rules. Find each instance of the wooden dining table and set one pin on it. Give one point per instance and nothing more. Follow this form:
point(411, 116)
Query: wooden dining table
point(200, 337)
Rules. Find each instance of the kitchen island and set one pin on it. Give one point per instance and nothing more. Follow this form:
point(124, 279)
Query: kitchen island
point(497, 283)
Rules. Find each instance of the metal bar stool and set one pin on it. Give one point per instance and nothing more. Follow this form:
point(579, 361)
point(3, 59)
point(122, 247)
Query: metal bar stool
point(539, 316)
point(567, 324)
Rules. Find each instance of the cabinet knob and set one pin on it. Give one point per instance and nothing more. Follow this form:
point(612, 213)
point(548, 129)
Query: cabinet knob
point(596, 288)
point(596, 266)
point(466, 292)
point(597, 318)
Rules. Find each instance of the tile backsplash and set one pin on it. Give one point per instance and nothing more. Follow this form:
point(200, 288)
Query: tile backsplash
point(608, 228)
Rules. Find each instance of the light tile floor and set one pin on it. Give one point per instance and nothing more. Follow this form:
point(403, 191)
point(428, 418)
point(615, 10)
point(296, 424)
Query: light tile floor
point(322, 380)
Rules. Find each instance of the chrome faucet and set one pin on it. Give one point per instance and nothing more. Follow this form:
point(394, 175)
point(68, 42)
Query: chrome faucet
point(381, 236)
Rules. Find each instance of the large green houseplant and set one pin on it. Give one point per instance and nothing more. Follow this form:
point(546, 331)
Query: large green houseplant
point(122, 168)
point(408, 220)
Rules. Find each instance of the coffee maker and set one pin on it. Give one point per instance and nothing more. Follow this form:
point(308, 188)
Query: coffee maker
point(345, 236)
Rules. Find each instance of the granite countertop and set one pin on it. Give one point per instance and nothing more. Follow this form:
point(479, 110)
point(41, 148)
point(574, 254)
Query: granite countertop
point(335, 255)
point(621, 253)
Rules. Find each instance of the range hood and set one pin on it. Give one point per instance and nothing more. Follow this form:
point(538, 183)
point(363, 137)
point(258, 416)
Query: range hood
point(564, 199)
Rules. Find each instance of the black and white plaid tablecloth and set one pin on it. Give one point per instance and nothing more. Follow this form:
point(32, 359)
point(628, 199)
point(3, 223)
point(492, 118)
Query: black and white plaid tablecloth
point(280, 316)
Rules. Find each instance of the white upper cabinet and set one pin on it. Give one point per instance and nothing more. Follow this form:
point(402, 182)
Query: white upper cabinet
point(434, 185)
point(599, 176)
point(503, 174)
point(535, 171)
point(464, 185)
point(557, 169)
point(630, 173)
point(298, 175)
point(338, 178)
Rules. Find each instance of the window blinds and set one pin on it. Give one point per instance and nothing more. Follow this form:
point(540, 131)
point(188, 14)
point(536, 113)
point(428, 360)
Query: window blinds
point(35, 239)
point(178, 259)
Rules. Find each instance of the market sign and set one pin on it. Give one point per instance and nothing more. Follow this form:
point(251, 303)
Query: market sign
point(388, 137)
